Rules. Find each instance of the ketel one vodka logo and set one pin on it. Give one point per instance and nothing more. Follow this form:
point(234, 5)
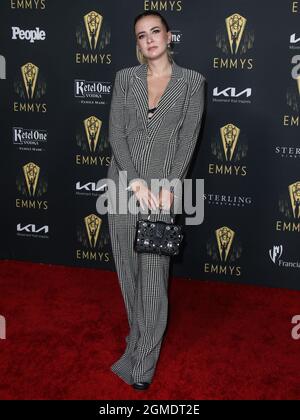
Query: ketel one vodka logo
point(229, 147)
point(93, 36)
point(234, 39)
point(224, 250)
point(289, 206)
point(92, 239)
point(93, 143)
point(32, 187)
point(30, 89)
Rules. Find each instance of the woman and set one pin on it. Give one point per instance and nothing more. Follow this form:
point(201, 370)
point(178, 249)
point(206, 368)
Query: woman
point(155, 119)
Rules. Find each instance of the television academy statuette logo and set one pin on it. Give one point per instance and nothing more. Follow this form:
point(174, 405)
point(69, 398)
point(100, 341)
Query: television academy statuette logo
point(230, 148)
point(234, 39)
point(93, 240)
point(224, 249)
point(30, 88)
point(292, 119)
point(32, 185)
point(93, 35)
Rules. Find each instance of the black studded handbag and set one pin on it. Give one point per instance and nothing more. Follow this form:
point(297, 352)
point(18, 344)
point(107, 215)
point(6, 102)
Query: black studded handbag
point(158, 237)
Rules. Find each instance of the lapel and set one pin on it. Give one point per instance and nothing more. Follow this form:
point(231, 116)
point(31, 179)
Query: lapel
point(171, 94)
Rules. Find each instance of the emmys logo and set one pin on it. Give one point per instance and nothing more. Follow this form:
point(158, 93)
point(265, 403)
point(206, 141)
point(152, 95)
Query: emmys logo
point(31, 176)
point(32, 231)
point(91, 140)
point(233, 39)
point(222, 250)
point(28, 35)
point(166, 5)
point(30, 89)
point(230, 148)
point(289, 206)
point(91, 239)
point(94, 35)
point(28, 4)
point(2, 68)
point(2, 328)
point(276, 253)
point(230, 95)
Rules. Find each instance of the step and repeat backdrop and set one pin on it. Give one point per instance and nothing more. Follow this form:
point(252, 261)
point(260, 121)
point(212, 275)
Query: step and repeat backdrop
point(58, 61)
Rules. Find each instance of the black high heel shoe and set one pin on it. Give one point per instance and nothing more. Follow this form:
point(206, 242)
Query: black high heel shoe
point(141, 385)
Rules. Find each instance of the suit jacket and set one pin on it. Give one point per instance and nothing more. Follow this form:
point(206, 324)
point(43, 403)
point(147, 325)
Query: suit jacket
point(161, 147)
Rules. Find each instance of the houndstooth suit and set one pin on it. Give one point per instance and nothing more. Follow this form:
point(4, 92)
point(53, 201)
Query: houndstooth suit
point(161, 147)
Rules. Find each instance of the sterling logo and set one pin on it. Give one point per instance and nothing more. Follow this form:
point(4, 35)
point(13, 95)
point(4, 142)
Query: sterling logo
point(2, 68)
point(28, 35)
point(23, 136)
point(276, 253)
point(92, 92)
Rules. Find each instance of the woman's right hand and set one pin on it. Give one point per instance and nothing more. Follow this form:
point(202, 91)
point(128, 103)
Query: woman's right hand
point(144, 195)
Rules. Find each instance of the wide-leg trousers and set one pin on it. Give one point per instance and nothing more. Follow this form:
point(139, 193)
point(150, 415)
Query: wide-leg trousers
point(143, 280)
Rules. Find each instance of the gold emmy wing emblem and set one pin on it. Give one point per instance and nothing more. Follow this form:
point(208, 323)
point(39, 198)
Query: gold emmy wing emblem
point(294, 191)
point(92, 127)
point(235, 25)
point(224, 238)
point(230, 136)
point(30, 74)
point(93, 22)
point(92, 225)
point(31, 173)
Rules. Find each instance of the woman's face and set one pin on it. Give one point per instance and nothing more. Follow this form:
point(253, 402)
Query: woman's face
point(152, 37)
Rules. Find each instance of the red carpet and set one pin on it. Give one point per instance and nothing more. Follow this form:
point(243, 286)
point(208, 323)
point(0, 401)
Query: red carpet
point(66, 326)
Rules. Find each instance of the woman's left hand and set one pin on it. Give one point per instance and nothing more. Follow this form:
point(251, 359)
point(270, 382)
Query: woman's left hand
point(165, 198)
